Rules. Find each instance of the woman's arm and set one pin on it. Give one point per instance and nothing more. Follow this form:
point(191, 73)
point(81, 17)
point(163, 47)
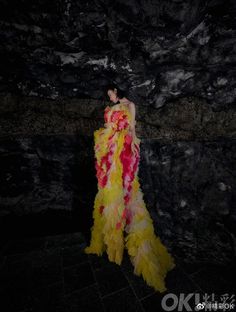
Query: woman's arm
point(135, 140)
point(131, 107)
point(133, 121)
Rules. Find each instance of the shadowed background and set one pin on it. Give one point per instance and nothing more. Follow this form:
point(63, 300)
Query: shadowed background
point(176, 61)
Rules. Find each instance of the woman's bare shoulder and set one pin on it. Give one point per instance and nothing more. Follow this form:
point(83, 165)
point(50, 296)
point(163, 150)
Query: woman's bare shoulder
point(126, 102)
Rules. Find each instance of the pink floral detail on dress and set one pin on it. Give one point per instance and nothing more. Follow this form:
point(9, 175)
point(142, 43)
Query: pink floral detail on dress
point(101, 208)
point(118, 119)
point(103, 167)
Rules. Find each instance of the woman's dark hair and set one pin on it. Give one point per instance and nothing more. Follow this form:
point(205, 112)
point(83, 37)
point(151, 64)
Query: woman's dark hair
point(120, 93)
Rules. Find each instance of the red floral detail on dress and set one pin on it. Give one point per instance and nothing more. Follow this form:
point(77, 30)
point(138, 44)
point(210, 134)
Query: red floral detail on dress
point(127, 215)
point(102, 169)
point(101, 208)
point(130, 164)
point(118, 118)
point(118, 225)
point(107, 109)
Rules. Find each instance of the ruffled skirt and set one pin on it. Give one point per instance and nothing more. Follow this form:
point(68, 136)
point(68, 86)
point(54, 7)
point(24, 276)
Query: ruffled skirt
point(121, 219)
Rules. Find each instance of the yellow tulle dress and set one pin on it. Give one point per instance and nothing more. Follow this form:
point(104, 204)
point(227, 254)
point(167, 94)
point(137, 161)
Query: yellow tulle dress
point(120, 216)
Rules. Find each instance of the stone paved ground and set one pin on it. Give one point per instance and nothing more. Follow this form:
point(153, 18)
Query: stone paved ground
point(52, 273)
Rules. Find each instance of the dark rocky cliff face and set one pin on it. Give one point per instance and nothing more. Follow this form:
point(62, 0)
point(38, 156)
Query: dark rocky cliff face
point(187, 170)
point(155, 50)
point(175, 59)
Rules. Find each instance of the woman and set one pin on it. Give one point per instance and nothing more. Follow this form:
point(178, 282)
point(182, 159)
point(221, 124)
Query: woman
point(119, 206)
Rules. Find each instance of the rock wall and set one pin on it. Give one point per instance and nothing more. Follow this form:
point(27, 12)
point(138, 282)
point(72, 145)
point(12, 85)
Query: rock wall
point(156, 51)
point(187, 168)
point(175, 59)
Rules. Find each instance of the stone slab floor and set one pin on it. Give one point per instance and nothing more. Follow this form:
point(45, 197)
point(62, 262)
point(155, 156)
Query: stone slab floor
point(51, 273)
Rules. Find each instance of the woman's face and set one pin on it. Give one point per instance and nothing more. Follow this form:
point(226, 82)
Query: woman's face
point(113, 95)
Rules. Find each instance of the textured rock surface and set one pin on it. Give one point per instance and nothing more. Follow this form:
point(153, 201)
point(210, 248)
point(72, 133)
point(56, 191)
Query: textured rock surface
point(155, 50)
point(175, 60)
point(187, 169)
point(186, 119)
point(193, 188)
point(46, 179)
point(189, 188)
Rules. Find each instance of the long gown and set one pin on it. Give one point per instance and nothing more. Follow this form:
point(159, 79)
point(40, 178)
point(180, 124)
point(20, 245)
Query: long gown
point(119, 207)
